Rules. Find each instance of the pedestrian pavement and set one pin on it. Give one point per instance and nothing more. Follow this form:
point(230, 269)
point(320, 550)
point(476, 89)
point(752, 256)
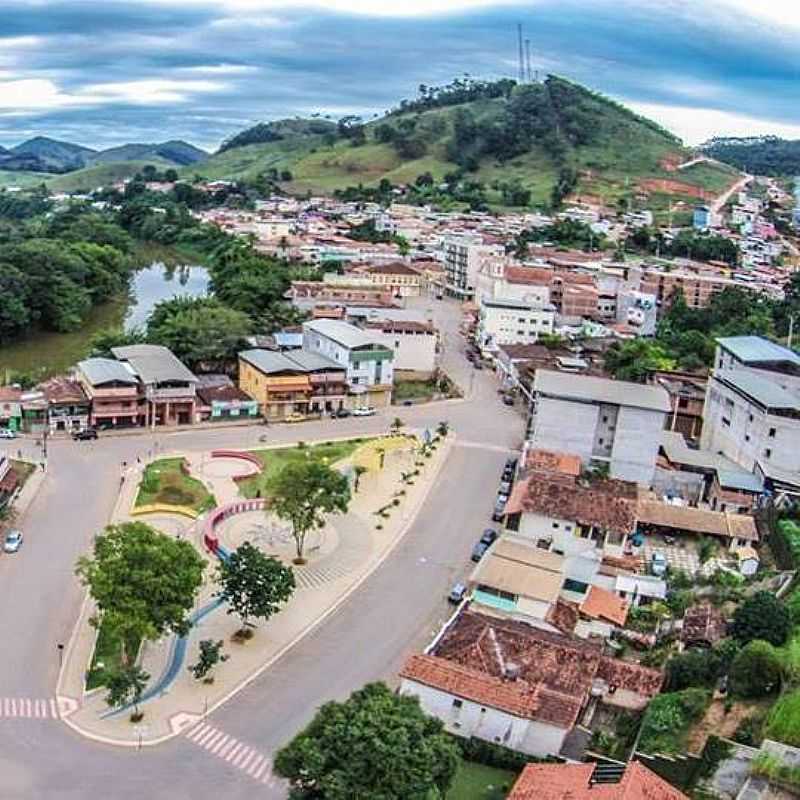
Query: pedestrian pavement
point(30, 708)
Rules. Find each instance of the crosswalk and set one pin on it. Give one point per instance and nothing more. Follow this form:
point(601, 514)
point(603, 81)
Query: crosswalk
point(31, 708)
point(241, 756)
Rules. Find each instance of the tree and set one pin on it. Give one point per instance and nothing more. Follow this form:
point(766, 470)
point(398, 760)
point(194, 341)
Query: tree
point(143, 582)
point(692, 668)
point(633, 359)
point(303, 493)
point(253, 585)
point(443, 428)
point(209, 656)
point(762, 616)
point(358, 471)
point(377, 744)
point(397, 423)
point(125, 687)
point(756, 670)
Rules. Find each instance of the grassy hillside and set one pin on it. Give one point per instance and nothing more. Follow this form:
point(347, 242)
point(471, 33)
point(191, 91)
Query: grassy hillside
point(89, 178)
point(532, 134)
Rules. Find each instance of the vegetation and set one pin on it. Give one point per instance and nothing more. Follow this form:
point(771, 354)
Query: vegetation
point(303, 493)
point(125, 687)
point(762, 616)
point(783, 720)
point(209, 655)
point(375, 744)
point(107, 658)
point(756, 670)
point(253, 585)
point(634, 359)
point(668, 718)
point(167, 481)
point(698, 668)
point(478, 782)
point(143, 582)
point(758, 155)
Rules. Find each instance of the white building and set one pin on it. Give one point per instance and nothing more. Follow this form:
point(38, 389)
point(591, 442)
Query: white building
point(513, 322)
point(602, 421)
point(414, 344)
point(638, 310)
point(369, 362)
point(464, 256)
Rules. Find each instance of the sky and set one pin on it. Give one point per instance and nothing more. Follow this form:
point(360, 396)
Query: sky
point(105, 72)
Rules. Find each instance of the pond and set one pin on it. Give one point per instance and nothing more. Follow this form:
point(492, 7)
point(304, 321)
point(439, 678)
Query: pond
point(49, 353)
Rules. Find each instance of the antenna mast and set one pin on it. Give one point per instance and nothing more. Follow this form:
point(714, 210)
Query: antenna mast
point(521, 57)
point(528, 59)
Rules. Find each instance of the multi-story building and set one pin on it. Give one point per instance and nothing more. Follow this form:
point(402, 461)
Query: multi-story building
point(752, 409)
point(697, 288)
point(464, 257)
point(67, 404)
point(10, 408)
point(505, 321)
point(296, 382)
point(687, 392)
point(602, 421)
point(112, 389)
point(367, 360)
point(398, 278)
point(638, 310)
point(415, 345)
point(167, 386)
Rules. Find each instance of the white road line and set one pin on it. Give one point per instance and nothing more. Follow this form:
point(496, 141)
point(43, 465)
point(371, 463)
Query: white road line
point(217, 736)
point(219, 744)
point(223, 752)
point(234, 751)
point(243, 757)
point(261, 769)
point(28, 712)
point(13, 708)
point(246, 763)
point(54, 709)
point(206, 736)
point(256, 764)
point(196, 733)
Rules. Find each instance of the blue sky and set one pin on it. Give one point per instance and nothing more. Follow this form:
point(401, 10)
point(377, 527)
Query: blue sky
point(104, 72)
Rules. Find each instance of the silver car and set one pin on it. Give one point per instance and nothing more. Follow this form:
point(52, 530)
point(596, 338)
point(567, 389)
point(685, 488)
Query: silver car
point(13, 541)
point(7, 433)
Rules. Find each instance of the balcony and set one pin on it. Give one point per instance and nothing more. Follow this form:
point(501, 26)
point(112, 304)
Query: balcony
point(181, 393)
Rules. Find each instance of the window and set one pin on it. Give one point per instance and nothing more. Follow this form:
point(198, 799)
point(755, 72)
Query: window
point(726, 422)
point(605, 419)
point(747, 437)
point(457, 703)
point(768, 452)
point(601, 441)
point(555, 525)
point(772, 433)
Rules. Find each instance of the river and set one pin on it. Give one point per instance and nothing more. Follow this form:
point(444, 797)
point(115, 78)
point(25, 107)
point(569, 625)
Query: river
point(49, 353)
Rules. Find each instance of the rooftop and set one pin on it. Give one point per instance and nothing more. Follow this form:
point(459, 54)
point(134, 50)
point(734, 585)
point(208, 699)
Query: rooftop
point(105, 370)
point(585, 388)
point(604, 605)
point(578, 782)
point(59, 389)
point(154, 363)
point(552, 461)
point(764, 392)
point(395, 268)
point(342, 333)
point(757, 350)
point(271, 362)
point(703, 624)
point(697, 520)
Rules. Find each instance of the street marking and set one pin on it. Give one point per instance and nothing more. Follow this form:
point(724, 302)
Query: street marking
point(34, 708)
point(233, 752)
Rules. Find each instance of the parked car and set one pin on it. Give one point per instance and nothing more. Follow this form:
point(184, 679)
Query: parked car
point(84, 435)
point(499, 510)
point(478, 551)
point(489, 536)
point(457, 594)
point(477, 364)
point(658, 563)
point(363, 412)
point(295, 417)
point(511, 464)
point(12, 541)
point(508, 400)
point(7, 433)
point(505, 485)
point(340, 413)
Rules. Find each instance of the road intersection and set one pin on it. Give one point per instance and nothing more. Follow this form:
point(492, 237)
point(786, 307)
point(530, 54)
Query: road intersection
point(395, 611)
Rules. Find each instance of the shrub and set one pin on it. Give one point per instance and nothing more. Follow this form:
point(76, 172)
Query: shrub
point(788, 532)
point(762, 616)
point(749, 731)
point(756, 670)
point(783, 721)
point(707, 549)
point(667, 720)
point(492, 755)
point(693, 668)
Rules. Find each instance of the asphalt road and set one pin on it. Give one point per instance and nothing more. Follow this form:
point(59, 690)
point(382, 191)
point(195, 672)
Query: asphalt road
point(397, 609)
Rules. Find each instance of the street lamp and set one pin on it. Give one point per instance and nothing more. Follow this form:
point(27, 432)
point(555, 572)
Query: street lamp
point(60, 648)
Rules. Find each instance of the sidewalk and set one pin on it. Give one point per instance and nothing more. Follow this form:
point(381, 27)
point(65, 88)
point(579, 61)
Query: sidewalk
point(322, 585)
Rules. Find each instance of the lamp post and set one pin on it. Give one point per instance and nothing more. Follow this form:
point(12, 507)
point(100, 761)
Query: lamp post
point(60, 648)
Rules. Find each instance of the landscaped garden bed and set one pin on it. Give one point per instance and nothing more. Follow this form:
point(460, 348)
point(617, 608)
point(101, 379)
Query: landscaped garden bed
point(168, 482)
point(478, 782)
point(107, 658)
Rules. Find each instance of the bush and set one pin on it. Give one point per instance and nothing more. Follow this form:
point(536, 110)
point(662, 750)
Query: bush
point(749, 731)
point(693, 668)
point(492, 755)
point(175, 496)
point(762, 616)
point(756, 670)
point(668, 718)
point(788, 534)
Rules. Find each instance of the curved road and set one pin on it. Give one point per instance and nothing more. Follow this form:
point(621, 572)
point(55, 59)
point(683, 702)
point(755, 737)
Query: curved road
point(395, 611)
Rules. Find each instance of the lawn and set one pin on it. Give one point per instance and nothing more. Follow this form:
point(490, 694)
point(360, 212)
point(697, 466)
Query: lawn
point(107, 657)
point(164, 482)
point(477, 782)
point(783, 722)
point(23, 469)
point(276, 459)
point(421, 389)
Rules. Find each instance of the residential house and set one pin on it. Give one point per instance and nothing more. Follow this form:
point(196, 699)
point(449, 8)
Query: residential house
point(415, 345)
point(167, 386)
point(592, 781)
point(68, 406)
point(219, 399)
point(307, 295)
point(8, 481)
point(34, 411)
point(687, 392)
point(112, 389)
point(10, 408)
point(613, 423)
point(514, 684)
point(735, 491)
point(513, 322)
point(398, 278)
point(295, 382)
point(703, 626)
point(365, 357)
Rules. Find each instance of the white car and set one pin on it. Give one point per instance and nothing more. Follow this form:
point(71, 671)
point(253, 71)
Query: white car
point(7, 433)
point(363, 412)
point(658, 564)
point(13, 541)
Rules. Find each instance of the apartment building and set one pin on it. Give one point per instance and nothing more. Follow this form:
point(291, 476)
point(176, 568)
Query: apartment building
point(752, 409)
point(112, 389)
point(464, 257)
point(602, 421)
point(367, 360)
point(506, 321)
point(698, 289)
point(415, 345)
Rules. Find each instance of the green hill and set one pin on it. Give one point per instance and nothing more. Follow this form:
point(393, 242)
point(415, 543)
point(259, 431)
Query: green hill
point(90, 178)
point(537, 135)
point(758, 155)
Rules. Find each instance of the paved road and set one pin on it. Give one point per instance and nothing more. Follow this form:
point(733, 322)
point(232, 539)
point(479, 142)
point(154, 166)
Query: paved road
point(394, 612)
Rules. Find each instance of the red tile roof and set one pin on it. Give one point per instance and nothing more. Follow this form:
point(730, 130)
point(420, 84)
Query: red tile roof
point(531, 276)
point(605, 605)
point(703, 624)
point(553, 461)
point(396, 268)
point(573, 782)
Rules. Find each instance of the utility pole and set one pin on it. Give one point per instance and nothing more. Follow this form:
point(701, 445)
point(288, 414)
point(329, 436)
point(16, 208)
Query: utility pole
point(528, 59)
point(521, 58)
point(791, 332)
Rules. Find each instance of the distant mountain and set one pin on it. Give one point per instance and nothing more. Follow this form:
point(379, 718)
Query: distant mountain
point(554, 139)
point(42, 154)
point(758, 155)
point(175, 151)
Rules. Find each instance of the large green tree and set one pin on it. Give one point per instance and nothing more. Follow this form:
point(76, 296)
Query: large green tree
point(376, 745)
point(633, 359)
point(125, 686)
point(253, 585)
point(303, 493)
point(143, 582)
point(762, 616)
point(756, 670)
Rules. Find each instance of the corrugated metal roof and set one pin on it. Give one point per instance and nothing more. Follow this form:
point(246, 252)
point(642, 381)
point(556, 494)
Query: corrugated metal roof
point(735, 479)
point(341, 332)
point(600, 390)
point(154, 363)
point(269, 361)
point(313, 362)
point(754, 349)
point(105, 370)
point(765, 392)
